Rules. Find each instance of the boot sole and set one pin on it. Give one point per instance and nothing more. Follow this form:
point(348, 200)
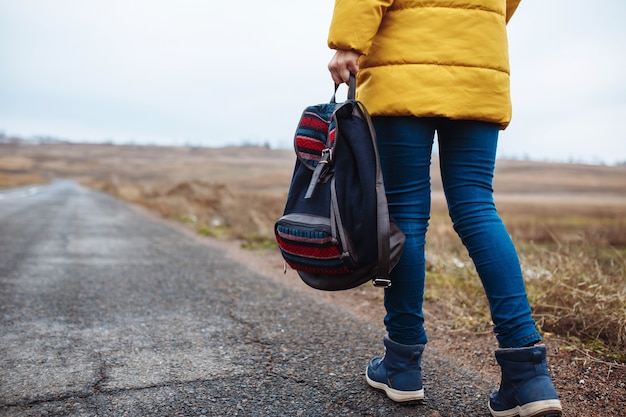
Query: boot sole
point(394, 394)
point(544, 408)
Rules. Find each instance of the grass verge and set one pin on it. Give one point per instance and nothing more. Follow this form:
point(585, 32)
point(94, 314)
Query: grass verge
point(575, 287)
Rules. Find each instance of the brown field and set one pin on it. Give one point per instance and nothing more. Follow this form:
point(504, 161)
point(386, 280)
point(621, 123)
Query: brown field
point(568, 222)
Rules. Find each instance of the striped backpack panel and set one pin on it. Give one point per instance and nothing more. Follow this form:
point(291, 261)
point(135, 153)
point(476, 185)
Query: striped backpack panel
point(312, 133)
point(307, 244)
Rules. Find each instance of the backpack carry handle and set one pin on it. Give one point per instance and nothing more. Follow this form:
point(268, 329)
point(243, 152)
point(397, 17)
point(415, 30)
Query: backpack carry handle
point(351, 89)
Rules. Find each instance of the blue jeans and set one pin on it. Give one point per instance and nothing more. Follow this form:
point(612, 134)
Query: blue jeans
point(467, 152)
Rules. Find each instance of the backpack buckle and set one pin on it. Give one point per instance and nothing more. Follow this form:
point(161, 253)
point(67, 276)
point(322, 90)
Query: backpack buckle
point(327, 156)
point(381, 282)
point(321, 172)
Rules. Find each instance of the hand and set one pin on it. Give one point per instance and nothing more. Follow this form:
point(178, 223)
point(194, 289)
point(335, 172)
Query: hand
point(343, 63)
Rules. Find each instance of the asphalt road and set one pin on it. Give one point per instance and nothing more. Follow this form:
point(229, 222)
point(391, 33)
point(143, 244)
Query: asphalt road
point(107, 312)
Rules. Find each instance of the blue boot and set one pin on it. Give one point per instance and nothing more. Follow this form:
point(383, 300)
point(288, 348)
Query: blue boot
point(399, 372)
point(526, 389)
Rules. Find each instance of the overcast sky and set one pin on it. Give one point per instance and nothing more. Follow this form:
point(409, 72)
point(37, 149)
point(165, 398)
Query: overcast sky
point(215, 73)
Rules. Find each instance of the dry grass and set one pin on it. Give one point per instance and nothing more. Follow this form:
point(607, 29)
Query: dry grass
point(228, 192)
point(568, 222)
point(16, 171)
point(19, 180)
point(574, 277)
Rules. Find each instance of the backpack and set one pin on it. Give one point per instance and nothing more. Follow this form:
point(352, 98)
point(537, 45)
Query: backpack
point(335, 230)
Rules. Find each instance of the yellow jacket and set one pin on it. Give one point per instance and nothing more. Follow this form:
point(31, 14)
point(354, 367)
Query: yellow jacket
point(429, 58)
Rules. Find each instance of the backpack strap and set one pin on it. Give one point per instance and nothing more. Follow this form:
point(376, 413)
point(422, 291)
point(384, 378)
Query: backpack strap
point(382, 278)
point(336, 223)
point(383, 226)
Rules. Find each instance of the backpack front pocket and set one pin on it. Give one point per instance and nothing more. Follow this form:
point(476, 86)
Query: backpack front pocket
point(307, 244)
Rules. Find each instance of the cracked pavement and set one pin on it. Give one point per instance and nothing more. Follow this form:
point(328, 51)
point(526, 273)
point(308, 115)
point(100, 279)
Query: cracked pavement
point(106, 312)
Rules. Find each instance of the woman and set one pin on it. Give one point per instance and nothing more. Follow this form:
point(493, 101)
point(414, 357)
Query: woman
point(442, 66)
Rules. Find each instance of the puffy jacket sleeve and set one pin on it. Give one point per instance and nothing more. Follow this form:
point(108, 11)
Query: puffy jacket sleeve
point(355, 22)
point(511, 6)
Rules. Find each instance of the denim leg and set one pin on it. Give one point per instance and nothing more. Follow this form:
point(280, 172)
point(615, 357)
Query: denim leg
point(405, 146)
point(467, 152)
